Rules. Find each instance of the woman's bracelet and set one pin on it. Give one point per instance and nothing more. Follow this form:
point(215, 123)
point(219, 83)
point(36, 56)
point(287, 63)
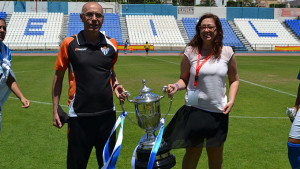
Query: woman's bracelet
point(177, 86)
point(116, 85)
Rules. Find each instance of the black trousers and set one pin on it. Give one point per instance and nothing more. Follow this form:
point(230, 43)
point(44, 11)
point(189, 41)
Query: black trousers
point(86, 132)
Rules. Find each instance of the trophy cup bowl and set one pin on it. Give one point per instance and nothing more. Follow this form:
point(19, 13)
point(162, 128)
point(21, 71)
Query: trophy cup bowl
point(147, 107)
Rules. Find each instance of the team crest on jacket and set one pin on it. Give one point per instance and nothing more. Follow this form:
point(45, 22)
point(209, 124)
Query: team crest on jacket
point(105, 50)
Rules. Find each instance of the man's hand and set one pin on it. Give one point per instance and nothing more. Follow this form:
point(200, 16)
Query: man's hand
point(25, 102)
point(119, 93)
point(56, 120)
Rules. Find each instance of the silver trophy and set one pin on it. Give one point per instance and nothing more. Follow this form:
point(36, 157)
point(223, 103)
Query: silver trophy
point(148, 116)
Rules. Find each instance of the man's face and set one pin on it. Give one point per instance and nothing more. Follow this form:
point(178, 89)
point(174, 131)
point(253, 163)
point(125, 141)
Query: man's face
point(92, 17)
point(2, 30)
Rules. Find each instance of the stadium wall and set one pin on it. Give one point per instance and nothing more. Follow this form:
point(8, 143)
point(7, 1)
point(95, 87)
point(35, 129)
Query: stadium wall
point(7, 6)
point(41, 7)
point(245, 12)
point(153, 9)
point(108, 7)
point(19, 6)
point(197, 12)
point(149, 9)
point(286, 13)
point(58, 7)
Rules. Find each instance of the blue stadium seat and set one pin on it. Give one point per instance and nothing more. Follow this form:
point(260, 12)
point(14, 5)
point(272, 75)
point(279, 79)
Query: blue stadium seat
point(294, 24)
point(2, 15)
point(111, 26)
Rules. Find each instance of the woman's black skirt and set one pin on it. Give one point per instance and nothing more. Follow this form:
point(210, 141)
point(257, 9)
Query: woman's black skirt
point(193, 127)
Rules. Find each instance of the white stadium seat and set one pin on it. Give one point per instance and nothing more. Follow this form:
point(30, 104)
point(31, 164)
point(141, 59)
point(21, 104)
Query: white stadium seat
point(265, 34)
point(18, 37)
point(140, 30)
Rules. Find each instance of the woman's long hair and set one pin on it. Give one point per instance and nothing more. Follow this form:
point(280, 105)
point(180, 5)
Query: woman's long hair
point(197, 42)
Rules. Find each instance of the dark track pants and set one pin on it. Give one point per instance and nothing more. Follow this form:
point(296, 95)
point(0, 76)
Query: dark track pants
point(86, 132)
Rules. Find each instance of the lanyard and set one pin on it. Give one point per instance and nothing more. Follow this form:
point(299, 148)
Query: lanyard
point(198, 67)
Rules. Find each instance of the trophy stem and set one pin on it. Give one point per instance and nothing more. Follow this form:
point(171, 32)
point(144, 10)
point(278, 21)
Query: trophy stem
point(150, 134)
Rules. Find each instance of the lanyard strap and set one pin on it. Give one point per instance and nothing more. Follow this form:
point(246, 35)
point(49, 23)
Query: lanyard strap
point(198, 67)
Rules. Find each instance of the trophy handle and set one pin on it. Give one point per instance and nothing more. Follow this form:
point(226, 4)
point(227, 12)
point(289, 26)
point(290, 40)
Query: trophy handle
point(170, 104)
point(128, 94)
point(122, 105)
point(163, 89)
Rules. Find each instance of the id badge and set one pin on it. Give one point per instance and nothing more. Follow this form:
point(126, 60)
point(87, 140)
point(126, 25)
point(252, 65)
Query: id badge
point(193, 97)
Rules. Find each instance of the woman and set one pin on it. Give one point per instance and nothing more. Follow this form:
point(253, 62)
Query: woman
point(7, 78)
point(203, 120)
point(293, 143)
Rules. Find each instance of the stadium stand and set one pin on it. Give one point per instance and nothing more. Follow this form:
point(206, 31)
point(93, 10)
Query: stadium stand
point(265, 34)
point(160, 30)
point(294, 24)
point(2, 15)
point(111, 26)
point(230, 39)
point(29, 31)
point(190, 24)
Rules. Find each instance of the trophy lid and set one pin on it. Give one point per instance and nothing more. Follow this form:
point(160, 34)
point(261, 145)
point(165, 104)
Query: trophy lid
point(146, 95)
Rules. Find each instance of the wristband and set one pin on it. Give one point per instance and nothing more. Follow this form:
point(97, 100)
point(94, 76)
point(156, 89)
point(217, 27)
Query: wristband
point(116, 85)
point(177, 86)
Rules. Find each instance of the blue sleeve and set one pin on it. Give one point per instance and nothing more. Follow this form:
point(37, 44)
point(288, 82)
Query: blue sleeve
point(8, 53)
point(298, 76)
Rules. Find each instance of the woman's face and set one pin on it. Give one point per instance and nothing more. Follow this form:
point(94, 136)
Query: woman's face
point(208, 30)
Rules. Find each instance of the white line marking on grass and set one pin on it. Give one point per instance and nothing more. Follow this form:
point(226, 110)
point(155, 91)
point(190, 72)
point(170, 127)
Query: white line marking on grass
point(46, 103)
point(255, 84)
point(268, 88)
point(161, 60)
point(31, 71)
point(32, 101)
point(242, 117)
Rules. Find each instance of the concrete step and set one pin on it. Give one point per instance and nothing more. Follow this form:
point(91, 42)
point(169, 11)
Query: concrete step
point(240, 35)
point(183, 31)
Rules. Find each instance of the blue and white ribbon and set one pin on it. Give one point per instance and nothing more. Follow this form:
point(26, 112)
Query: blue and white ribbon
point(156, 145)
point(134, 152)
point(154, 148)
point(109, 161)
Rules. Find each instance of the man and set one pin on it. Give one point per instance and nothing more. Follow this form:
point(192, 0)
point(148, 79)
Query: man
point(147, 46)
point(125, 46)
point(294, 136)
point(7, 78)
point(90, 57)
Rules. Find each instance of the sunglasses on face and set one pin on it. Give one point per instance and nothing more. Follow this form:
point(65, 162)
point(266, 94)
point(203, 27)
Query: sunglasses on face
point(91, 14)
point(210, 28)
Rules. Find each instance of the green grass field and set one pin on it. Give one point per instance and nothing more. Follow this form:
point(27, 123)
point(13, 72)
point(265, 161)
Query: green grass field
point(258, 126)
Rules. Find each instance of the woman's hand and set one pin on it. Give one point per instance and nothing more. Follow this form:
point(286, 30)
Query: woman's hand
point(227, 108)
point(171, 90)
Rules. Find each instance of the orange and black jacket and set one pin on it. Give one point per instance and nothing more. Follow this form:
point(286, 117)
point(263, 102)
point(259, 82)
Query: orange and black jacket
point(90, 68)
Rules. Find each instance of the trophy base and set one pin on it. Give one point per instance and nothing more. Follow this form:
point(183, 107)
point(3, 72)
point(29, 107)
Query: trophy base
point(163, 160)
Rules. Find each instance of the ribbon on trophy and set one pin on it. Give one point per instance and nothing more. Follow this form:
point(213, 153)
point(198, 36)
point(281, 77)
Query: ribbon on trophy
point(109, 161)
point(154, 148)
point(156, 144)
